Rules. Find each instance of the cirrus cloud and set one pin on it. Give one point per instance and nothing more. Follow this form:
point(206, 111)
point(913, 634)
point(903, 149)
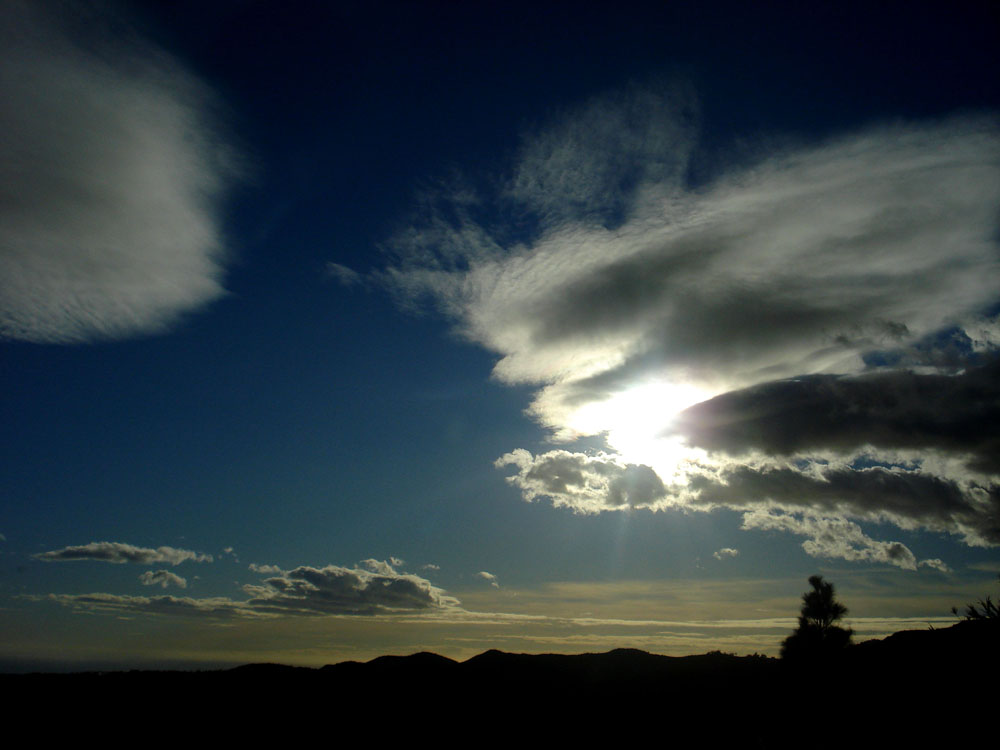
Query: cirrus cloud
point(119, 553)
point(114, 169)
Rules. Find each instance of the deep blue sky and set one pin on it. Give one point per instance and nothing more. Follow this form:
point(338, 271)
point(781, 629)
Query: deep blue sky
point(315, 416)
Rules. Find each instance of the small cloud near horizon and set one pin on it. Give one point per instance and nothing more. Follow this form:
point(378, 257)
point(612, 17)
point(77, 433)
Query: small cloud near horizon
point(163, 578)
point(489, 577)
point(265, 569)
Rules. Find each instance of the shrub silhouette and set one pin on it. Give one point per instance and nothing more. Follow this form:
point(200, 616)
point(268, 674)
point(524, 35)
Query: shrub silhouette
point(984, 609)
point(817, 636)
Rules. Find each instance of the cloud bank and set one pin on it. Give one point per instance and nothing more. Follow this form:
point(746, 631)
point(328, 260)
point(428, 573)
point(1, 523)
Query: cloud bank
point(811, 334)
point(374, 587)
point(113, 170)
point(119, 553)
point(218, 607)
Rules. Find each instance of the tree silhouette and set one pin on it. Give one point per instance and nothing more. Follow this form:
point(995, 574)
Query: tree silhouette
point(817, 636)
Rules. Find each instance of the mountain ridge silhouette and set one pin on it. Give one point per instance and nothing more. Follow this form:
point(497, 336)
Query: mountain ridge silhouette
point(905, 687)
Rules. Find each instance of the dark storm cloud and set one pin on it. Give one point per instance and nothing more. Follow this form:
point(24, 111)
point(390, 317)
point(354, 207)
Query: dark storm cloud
point(111, 171)
point(117, 552)
point(887, 410)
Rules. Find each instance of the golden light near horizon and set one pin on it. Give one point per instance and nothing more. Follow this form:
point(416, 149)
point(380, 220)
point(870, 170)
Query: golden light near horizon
point(634, 421)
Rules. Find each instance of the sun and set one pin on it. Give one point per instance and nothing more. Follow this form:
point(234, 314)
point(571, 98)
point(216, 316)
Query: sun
point(636, 423)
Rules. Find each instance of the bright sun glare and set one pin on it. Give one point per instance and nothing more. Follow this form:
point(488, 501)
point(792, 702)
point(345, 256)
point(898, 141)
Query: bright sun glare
point(635, 419)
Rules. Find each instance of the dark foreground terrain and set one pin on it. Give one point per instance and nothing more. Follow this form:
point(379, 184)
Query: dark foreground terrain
point(915, 688)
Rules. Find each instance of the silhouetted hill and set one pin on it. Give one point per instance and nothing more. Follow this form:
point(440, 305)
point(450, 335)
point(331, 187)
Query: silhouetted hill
point(910, 686)
point(423, 662)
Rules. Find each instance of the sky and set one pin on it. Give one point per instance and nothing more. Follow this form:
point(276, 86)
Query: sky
point(331, 330)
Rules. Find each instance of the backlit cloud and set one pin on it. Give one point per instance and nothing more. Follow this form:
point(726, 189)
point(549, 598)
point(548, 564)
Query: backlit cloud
point(117, 552)
point(810, 334)
point(113, 170)
point(372, 588)
point(894, 410)
point(584, 483)
point(833, 538)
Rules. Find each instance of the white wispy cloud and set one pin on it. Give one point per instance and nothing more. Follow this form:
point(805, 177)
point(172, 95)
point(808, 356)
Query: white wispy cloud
point(799, 264)
point(113, 170)
point(343, 275)
point(221, 607)
point(807, 330)
point(118, 552)
point(936, 564)
point(163, 578)
point(725, 552)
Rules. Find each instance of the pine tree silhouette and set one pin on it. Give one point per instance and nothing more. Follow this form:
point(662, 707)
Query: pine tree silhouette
point(817, 636)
